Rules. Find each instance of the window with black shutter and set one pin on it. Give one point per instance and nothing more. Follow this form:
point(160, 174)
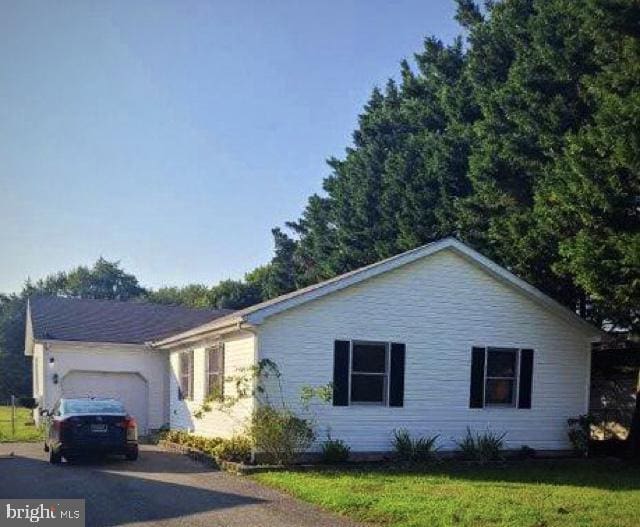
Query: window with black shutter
point(501, 377)
point(368, 373)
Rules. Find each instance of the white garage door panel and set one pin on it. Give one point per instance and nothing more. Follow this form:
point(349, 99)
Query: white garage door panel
point(129, 388)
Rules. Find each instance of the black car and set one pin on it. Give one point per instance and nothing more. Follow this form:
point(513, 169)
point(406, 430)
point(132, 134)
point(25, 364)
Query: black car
point(77, 427)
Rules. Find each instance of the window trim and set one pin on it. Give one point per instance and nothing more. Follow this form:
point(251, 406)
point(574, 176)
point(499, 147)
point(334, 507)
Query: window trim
point(385, 375)
point(516, 378)
point(207, 372)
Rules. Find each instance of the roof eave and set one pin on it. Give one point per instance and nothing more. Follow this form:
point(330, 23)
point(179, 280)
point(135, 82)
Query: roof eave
point(257, 314)
point(29, 339)
point(198, 332)
point(530, 291)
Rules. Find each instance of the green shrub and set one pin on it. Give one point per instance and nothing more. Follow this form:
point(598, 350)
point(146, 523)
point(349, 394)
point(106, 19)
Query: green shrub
point(580, 433)
point(334, 450)
point(482, 447)
point(279, 434)
point(236, 448)
point(181, 437)
point(420, 450)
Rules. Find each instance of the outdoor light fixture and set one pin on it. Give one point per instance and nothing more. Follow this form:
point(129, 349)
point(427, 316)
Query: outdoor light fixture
point(52, 362)
point(54, 378)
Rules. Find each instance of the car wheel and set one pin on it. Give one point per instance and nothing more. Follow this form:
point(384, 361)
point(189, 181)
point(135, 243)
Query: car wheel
point(55, 457)
point(132, 456)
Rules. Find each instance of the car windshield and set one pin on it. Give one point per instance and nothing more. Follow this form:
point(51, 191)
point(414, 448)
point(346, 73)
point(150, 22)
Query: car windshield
point(93, 407)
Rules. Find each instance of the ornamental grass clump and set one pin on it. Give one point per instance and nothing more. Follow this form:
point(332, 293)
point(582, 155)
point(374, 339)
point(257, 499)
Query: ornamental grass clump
point(334, 450)
point(418, 450)
point(482, 447)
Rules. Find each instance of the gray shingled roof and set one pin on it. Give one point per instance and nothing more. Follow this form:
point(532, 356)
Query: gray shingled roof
point(58, 318)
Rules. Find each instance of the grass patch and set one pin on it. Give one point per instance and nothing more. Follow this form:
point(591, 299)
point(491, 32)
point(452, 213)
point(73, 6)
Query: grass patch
point(23, 431)
point(593, 493)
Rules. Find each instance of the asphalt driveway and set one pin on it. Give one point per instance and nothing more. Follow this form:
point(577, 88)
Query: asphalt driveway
point(161, 488)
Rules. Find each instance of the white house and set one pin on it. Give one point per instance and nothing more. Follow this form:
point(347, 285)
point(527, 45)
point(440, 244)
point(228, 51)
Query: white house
point(100, 348)
point(434, 340)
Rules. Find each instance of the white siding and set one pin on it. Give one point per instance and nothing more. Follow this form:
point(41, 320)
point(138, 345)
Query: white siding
point(439, 307)
point(150, 364)
point(37, 369)
point(239, 354)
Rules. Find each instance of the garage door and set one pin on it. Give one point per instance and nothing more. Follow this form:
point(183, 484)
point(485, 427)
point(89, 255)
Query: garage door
point(129, 388)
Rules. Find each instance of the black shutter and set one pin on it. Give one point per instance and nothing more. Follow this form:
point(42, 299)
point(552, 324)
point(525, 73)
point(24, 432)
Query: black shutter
point(396, 375)
point(526, 379)
point(341, 373)
point(476, 398)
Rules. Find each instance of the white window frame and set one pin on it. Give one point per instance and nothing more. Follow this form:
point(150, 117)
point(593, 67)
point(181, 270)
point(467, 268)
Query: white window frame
point(189, 374)
point(515, 378)
point(207, 371)
point(385, 375)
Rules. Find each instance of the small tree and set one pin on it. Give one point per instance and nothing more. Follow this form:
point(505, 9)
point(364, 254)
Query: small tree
point(280, 434)
point(274, 427)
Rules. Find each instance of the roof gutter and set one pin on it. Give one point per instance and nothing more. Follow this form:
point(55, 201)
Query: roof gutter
point(197, 333)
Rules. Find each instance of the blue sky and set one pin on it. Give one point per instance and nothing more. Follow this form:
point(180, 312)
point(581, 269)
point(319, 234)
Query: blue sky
point(173, 136)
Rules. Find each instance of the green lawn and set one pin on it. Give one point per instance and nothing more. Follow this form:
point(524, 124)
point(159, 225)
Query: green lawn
point(24, 432)
point(594, 493)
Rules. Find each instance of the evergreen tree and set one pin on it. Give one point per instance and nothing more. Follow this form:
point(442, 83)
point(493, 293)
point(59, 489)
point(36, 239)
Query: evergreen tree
point(593, 196)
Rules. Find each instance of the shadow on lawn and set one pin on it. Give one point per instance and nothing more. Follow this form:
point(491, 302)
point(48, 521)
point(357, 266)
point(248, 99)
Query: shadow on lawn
point(600, 474)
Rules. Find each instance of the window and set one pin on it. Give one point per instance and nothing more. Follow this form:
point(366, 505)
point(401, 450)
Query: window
point(88, 406)
point(186, 375)
point(501, 376)
point(214, 380)
point(369, 372)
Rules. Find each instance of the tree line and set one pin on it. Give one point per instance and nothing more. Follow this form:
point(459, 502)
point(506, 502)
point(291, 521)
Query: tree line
point(521, 138)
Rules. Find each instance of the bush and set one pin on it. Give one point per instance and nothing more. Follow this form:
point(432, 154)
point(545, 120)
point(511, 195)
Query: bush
point(334, 450)
point(580, 433)
point(420, 450)
point(181, 437)
point(279, 434)
point(236, 448)
point(482, 448)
